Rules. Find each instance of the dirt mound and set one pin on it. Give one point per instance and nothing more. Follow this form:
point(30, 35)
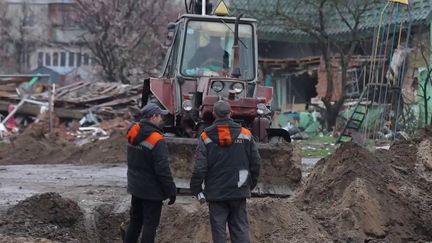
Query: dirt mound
point(271, 220)
point(111, 150)
point(423, 133)
point(35, 147)
point(47, 216)
point(276, 220)
point(107, 222)
point(9, 239)
point(362, 196)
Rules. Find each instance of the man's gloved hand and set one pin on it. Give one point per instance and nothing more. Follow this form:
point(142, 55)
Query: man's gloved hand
point(172, 200)
point(201, 198)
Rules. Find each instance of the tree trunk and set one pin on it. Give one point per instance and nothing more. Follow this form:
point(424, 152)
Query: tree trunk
point(332, 112)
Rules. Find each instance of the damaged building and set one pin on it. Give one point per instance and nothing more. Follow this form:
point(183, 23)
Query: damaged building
point(43, 36)
point(291, 58)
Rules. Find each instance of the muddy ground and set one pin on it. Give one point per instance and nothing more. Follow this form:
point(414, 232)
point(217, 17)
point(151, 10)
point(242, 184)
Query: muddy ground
point(281, 164)
point(351, 196)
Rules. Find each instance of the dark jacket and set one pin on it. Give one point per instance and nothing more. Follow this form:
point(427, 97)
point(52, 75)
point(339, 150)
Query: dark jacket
point(228, 162)
point(149, 175)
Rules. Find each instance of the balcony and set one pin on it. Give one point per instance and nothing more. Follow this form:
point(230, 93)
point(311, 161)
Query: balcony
point(66, 35)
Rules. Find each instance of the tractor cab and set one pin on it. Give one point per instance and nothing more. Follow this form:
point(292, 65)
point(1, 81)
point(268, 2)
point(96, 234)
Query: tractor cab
point(209, 58)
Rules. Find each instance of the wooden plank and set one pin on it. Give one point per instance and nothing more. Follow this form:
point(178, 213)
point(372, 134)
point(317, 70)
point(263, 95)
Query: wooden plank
point(69, 86)
point(66, 91)
point(118, 101)
point(8, 88)
point(109, 89)
point(14, 80)
point(88, 99)
point(34, 110)
point(4, 94)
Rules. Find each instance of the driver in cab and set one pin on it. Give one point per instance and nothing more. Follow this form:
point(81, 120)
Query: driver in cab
point(211, 56)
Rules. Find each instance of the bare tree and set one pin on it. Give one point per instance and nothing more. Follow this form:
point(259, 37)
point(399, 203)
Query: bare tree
point(4, 26)
point(22, 42)
point(316, 19)
point(21, 30)
point(125, 36)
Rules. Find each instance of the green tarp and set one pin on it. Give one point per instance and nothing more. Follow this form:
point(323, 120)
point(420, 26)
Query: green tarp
point(306, 120)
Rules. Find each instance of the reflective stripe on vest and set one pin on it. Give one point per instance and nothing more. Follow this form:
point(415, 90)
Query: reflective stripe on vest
point(133, 133)
point(245, 134)
point(152, 140)
point(205, 138)
point(224, 135)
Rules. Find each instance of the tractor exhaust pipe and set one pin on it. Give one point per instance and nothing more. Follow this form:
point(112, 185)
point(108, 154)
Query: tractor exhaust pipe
point(236, 72)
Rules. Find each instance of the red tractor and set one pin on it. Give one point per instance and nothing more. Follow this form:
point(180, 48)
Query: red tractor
point(211, 58)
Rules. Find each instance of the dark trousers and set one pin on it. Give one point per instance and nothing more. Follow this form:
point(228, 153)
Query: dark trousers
point(234, 212)
point(145, 217)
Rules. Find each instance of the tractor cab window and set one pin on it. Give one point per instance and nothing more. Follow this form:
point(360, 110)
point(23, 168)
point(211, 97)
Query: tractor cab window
point(208, 49)
point(173, 40)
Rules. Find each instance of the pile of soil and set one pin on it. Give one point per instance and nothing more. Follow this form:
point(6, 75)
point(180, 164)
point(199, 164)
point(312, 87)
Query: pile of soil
point(271, 220)
point(47, 216)
point(33, 146)
point(36, 147)
point(361, 196)
point(107, 223)
point(9, 239)
point(111, 150)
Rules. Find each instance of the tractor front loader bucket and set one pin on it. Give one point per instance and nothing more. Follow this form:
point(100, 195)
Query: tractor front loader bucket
point(280, 166)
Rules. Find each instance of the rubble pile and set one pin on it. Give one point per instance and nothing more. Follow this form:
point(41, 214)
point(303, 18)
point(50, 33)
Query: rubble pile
point(73, 101)
point(83, 112)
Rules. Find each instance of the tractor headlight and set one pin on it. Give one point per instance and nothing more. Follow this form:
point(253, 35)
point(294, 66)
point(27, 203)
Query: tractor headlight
point(187, 105)
point(237, 87)
point(217, 86)
point(262, 109)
